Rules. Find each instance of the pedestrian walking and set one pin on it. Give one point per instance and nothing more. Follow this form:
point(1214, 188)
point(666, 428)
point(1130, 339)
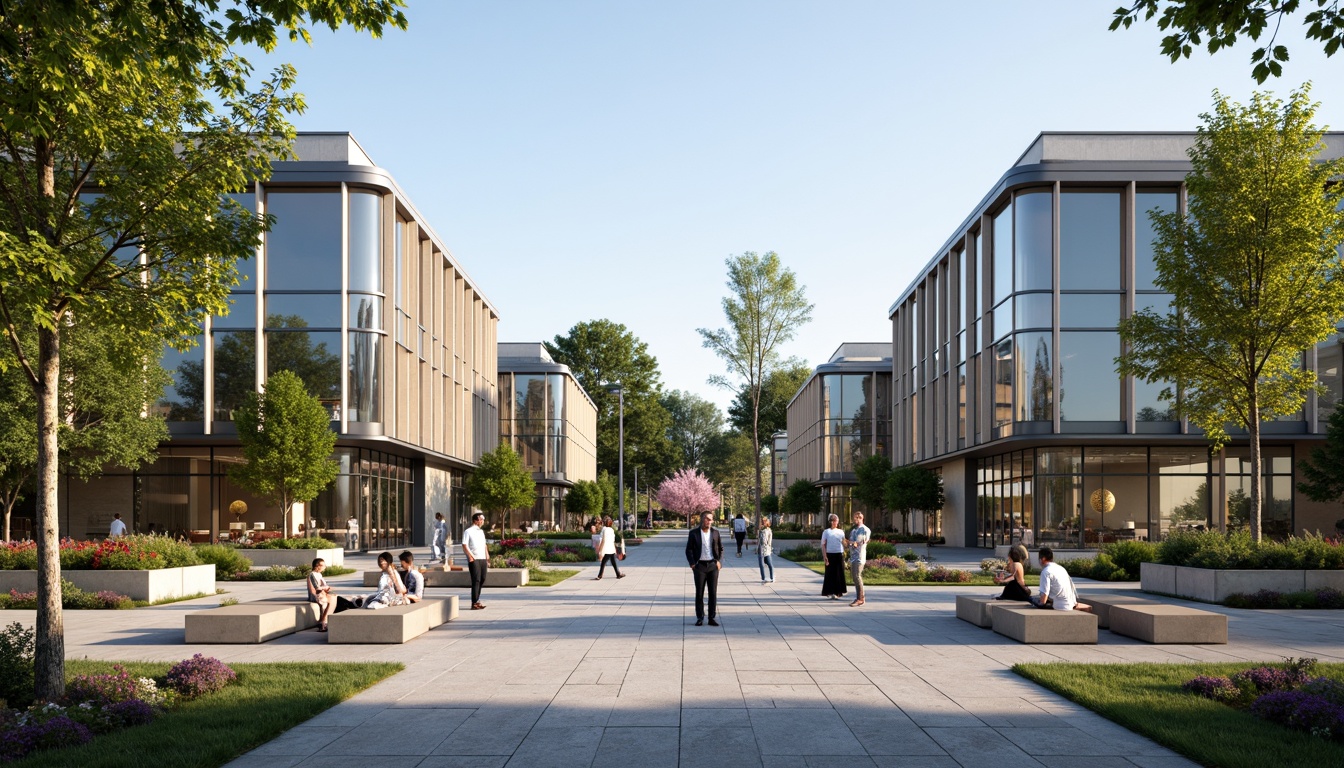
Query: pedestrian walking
point(765, 541)
point(858, 555)
point(739, 531)
point(478, 558)
point(704, 553)
point(352, 533)
point(607, 550)
point(439, 548)
point(833, 553)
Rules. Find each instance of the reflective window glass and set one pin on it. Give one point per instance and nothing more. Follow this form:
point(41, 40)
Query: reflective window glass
point(958, 305)
point(1034, 310)
point(366, 273)
point(303, 248)
point(366, 311)
point(315, 357)
point(1003, 382)
point(1089, 310)
point(855, 400)
point(1328, 373)
point(1158, 303)
point(529, 396)
point(1035, 376)
point(242, 312)
point(1003, 253)
point(1089, 388)
point(1059, 461)
point(1176, 461)
point(1033, 234)
point(973, 301)
point(1145, 274)
point(184, 399)
point(1148, 403)
point(1003, 319)
point(303, 310)
point(235, 371)
point(247, 268)
point(366, 353)
point(1115, 461)
point(1089, 240)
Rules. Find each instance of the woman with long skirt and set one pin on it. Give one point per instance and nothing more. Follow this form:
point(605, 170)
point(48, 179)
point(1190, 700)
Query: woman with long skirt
point(833, 552)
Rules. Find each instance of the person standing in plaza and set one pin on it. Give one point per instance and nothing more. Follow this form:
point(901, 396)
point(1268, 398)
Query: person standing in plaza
point(439, 549)
point(739, 531)
point(704, 553)
point(606, 549)
point(478, 558)
point(118, 528)
point(765, 547)
point(833, 554)
point(352, 533)
point(858, 555)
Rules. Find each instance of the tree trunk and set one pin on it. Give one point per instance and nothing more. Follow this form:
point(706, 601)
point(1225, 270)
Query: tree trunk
point(49, 658)
point(756, 449)
point(1253, 426)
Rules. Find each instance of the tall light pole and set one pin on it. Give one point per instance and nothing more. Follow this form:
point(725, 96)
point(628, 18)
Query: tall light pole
point(620, 460)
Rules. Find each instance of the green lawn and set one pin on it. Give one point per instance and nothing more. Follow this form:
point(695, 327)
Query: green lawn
point(1147, 699)
point(889, 579)
point(548, 578)
point(267, 700)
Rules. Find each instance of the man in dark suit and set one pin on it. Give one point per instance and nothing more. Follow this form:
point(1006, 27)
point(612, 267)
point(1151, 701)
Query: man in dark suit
point(704, 553)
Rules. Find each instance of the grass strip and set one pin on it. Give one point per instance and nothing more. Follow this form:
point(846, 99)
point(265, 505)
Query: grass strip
point(881, 578)
point(1147, 699)
point(267, 700)
point(544, 577)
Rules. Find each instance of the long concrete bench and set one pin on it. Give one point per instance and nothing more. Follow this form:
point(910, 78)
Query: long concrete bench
point(975, 609)
point(254, 622)
point(1102, 605)
point(1160, 623)
point(1028, 624)
point(396, 624)
point(438, 577)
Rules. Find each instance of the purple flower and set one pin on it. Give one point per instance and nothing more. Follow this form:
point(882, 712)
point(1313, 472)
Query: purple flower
point(132, 712)
point(1301, 711)
point(101, 690)
point(199, 675)
point(1216, 688)
point(59, 731)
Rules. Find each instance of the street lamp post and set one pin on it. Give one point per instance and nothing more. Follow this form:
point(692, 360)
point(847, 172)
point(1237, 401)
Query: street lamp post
point(620, 460)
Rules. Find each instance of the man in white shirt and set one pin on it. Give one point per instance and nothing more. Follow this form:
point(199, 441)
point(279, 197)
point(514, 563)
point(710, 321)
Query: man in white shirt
point(857, 541)
point(411, 578)
point(352, 533)
point(739, 531)
point(704, 553)
point(1057, 590)
point(478, 558)
point(118, 528)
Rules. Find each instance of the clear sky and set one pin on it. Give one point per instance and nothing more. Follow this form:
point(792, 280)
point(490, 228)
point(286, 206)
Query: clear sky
point(590, 159)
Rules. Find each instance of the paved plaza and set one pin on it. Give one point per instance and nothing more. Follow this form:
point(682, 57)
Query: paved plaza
point(614, 673)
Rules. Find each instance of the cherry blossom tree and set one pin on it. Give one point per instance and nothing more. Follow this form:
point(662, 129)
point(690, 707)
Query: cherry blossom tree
point(687, 493)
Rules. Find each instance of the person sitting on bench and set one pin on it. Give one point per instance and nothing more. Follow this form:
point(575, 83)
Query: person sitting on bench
point(321, 593)
point(1057, 589)
point(414, 581)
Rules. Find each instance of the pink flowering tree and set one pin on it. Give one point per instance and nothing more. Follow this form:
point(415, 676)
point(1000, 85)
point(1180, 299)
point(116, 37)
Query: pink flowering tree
point(688, 493)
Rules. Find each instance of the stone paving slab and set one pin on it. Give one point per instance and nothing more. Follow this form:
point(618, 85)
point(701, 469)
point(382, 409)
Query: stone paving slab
point(590, 674)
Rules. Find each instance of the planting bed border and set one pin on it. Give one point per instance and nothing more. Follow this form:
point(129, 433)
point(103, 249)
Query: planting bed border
point(1214, 585)
point(149, 586)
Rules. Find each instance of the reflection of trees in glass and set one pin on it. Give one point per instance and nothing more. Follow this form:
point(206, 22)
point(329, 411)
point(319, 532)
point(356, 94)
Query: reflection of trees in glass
point(1195, 509)
point(1149, 413)
point(1042, 388)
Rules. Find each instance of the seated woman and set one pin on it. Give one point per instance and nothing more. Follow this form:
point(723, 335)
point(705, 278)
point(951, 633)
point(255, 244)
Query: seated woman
point(390, 589)
point(321, 593)
point(1014, 579)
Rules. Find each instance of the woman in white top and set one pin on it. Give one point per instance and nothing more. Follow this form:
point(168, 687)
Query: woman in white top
point(390, 589)
point(833, 552)
point(606, 549)
point(765, 541)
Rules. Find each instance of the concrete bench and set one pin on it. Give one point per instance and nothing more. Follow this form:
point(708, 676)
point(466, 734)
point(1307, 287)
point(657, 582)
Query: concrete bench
point(438, 577)
point(1160, 623)
point(396, 624)
point(1102, 604)
point(1028, 624)
point(975, 609)
point(254, 622)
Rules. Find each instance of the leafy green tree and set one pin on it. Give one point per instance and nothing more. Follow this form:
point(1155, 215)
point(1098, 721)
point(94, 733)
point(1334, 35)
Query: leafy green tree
point(802, 499)
point(911, 488)
point(501, 484)
point(1255, 272)
point(583, 501)
point(777, 389)
point(770, 505)
point(287, 441)
point(695, 423)
point(1322, 471)
point(765, 308)
point(871, 489)
point(1223, 22)
point(601, 353)
point(154, 104)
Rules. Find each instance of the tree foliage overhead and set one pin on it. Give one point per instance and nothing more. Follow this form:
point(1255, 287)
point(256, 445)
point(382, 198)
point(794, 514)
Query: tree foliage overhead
point(1322, 470)
point(1255, 272)
point(687, 493)
point(501, 483)
point(912, 488)
point(287, 441)
point(601, 353)
point(802, 498)
point(696, 422)
point(871, 488)
point(584, 500)
point(765, 307)
point(777, 389)
point(1219, 24)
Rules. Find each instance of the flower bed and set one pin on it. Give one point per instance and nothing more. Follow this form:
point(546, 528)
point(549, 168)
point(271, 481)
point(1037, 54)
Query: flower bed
point(126, 553)
point(1289, 696)
point(540, 551)
point(72, 597)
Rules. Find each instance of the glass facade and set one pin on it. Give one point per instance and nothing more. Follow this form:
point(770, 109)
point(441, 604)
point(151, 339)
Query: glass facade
point(851, 424)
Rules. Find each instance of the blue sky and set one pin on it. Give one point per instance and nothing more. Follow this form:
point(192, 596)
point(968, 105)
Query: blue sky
point(591, 159)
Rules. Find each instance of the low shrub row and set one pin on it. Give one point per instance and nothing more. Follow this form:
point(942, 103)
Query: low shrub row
point(1289, 695)
point(1236, 550)
point(72, 597)
point(542, 552)
point(292, 543)
point(126, 553)
point(1311, 599)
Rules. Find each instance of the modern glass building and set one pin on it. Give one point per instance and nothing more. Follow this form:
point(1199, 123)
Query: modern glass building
point(1003, 363)
point(353, 291)
point(550, 421)
point(840, 416)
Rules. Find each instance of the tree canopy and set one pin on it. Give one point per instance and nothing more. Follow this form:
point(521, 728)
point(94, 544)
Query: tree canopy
point(696, 422)
point(1254, 270)
point(687, 493)
point(1224, 22)
point(912, 488)
point(1322, 470)
point(777, 389)
point(801, 498)
point(871, 488)
point(501, 483)
point(584, 500)
point(287, 441)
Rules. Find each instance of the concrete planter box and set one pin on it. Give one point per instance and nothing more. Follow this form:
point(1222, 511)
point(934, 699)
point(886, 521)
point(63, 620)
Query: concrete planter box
point(1211, 585)
point(437, 577)
point(150, 586)
point(292, 558)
